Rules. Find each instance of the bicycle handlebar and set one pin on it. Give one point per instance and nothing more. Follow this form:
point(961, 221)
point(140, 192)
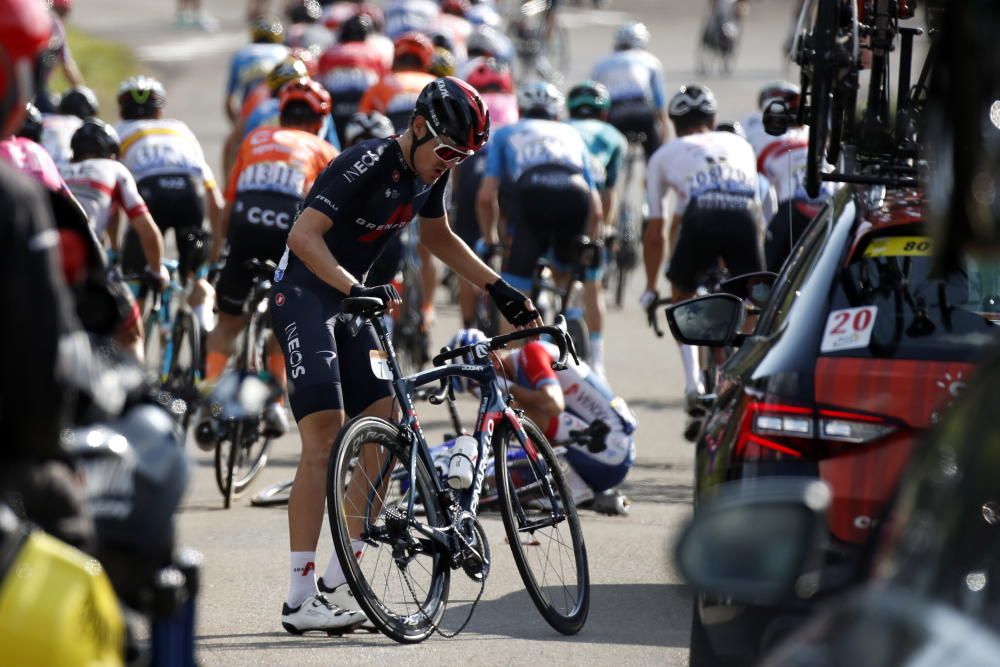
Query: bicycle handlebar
point(558, 332)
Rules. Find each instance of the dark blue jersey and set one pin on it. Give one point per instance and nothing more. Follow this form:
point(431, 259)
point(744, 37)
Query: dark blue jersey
point(370, 194)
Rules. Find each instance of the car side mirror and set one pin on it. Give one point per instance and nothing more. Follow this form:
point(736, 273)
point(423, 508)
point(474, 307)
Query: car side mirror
point(777, 118)
point(753, 544)
point(712, 320)
point(753, 287)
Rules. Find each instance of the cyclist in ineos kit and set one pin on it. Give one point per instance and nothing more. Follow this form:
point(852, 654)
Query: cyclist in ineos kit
point(717, 214)
point(370, 192)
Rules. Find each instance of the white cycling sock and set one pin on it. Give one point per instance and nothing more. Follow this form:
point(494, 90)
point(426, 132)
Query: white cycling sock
point(567, 423)
point(334, 575)
point(302, 582)
point(204, 316)
point(692, 374)
point(597, 352)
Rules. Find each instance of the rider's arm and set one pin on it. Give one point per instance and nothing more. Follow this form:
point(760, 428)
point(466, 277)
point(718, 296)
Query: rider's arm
point(150, 237)
point(436, 235)
point(219, 233)
point(596, 214)
point(216, 204)
point(306, 241)
point(653, 245)
point(488, 208)
point(541, 395)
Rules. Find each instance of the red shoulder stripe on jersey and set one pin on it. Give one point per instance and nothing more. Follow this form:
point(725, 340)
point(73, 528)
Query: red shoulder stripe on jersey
point(777, 147)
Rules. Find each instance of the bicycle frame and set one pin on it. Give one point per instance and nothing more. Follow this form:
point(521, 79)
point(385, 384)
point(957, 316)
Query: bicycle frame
point(493, 410)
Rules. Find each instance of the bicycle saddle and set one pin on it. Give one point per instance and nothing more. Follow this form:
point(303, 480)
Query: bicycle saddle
point(363, 305)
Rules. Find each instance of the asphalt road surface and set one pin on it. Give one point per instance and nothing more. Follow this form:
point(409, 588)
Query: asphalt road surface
point(640, 609)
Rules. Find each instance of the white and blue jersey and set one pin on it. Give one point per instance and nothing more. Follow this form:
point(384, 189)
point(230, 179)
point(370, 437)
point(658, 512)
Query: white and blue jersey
point(250, 65)
point(632, 75)
point(530, 143)
point(410, 16)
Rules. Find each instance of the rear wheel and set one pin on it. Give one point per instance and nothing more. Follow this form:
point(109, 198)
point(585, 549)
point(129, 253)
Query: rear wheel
point(543, 530)
point(577, 330)
point(401, 577)
point(185, 364)
point(820, 92)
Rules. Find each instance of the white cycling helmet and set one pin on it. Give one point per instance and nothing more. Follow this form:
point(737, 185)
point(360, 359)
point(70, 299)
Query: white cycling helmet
point(461, 339)
point(539, 99)
point(633, 35)
point(692, 98)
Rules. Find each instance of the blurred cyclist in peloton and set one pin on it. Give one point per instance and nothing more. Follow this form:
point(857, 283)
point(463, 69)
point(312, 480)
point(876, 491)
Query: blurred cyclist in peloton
point(544, 170)
point(782, 160)
point(588, 104)
point(174, 180)
point(251, 63)
point(75, 106)
point(56, 54)
point(350, 67)
point(634, 78)
point(717, 214)
point(495, 84)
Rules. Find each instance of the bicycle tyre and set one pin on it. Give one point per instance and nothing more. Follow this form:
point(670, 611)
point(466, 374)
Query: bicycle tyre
point(412, 626)
point(515, 513)
point(821, 92)
point(577, 330)
point(227, 475)
point(182, 379)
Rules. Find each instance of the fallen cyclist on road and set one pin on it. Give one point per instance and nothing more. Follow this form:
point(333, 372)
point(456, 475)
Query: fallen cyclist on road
point(362, 199)
point(575, 408)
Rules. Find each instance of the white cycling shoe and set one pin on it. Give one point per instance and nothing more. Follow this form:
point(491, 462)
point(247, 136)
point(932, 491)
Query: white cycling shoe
point(342, 596)
point(317, 613)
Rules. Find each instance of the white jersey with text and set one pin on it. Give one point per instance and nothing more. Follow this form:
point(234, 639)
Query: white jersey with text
point(57, 135)
point(101, 185)
point(715, 165)
point(159, 147)
point(632, 74)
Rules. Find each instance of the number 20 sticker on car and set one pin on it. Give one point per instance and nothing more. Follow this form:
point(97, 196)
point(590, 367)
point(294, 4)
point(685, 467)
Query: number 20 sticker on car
point(848, 329)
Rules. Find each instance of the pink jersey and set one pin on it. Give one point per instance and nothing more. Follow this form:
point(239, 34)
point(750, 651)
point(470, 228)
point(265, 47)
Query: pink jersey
point(503, 109)
point(30, 158)
point(101, 185)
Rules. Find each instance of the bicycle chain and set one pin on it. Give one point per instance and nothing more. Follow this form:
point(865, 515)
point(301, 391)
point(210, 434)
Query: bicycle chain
point(435, 627)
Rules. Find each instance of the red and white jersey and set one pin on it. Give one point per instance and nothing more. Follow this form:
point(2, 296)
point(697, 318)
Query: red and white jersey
point(715, 164)
point(57, 134)
point(101, 186)
point(351, 67)
point(160, 147)
point(782, 160)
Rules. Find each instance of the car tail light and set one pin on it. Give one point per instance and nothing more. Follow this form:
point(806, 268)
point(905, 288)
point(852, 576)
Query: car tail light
point(774, 429)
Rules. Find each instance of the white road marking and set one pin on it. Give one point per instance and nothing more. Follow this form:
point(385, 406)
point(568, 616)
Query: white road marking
point(191, 48)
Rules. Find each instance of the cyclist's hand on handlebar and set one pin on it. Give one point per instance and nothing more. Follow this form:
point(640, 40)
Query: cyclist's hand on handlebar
point(160, 279)
point(386, 293)
point(515, 306)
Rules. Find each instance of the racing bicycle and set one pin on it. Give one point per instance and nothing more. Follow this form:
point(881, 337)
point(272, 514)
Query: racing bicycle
point(623, 246)
point(236, 405)
point(417, 531)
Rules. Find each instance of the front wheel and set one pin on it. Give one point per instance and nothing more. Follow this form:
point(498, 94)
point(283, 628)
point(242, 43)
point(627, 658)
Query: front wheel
point(400, 577)
point(543, 529)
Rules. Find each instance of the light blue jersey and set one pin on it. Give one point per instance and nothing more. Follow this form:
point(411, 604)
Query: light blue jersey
point(607, 147)
point(632, 74)
point(268, 113)
point(250, 65)
point(531, 143)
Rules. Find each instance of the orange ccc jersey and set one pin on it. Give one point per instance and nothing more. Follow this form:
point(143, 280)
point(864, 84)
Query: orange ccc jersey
point(278, 159)
point(395, 96)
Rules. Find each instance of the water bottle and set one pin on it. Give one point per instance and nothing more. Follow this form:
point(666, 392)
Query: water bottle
point(463, 462)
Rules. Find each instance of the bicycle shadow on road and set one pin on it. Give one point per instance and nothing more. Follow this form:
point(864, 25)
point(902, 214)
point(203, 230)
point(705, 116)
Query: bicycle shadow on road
point(664, 621)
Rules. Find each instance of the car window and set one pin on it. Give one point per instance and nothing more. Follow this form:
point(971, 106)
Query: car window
point(798, 267)
point(886, 294)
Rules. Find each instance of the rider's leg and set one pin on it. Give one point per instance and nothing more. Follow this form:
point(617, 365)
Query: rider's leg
point(689, 353)
point(308, 499)
point(371, 461)
point(428, 283)
point(202, 302)
point(594, 309)
point(221, 344)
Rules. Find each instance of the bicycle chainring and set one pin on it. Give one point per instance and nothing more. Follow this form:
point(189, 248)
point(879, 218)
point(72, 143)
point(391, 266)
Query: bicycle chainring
point(474, 548)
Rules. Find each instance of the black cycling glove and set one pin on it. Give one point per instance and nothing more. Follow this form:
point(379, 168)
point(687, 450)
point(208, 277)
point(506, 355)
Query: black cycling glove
point(387, 294)
point(512, 303)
